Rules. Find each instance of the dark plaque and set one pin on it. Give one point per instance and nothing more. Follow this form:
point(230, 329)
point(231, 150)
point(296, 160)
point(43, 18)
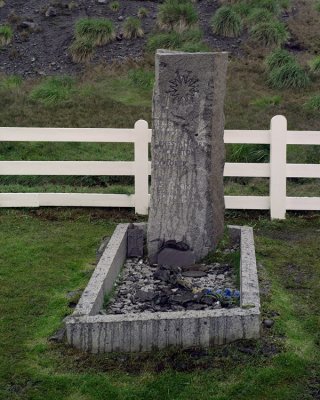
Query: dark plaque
point(135, 242)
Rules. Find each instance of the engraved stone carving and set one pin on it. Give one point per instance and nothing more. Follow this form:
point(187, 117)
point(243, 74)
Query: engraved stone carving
point(187, 202)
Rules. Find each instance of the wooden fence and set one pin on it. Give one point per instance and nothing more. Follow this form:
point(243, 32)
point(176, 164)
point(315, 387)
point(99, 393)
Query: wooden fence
point(278, 137)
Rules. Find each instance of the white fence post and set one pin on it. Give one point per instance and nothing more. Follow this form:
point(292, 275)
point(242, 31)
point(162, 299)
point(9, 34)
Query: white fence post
point(278, 165)
point(141, 178)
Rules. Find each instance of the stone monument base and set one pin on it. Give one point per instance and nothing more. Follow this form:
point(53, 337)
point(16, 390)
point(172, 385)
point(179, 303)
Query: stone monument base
point(89, 331)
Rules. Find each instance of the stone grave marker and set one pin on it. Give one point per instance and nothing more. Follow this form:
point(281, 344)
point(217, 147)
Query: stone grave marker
point(187, 199)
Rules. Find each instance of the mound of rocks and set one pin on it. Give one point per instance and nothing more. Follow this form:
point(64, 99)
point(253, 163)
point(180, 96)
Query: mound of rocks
point(150, 288)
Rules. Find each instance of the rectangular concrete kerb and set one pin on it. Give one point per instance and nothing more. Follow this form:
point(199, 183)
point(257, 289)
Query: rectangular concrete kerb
point(89, 331)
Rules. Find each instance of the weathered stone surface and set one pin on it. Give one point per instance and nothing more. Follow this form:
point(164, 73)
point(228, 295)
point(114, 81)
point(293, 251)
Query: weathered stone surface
point(173, 257)
point(135, 242)
point(194, 274)
point(187, 202)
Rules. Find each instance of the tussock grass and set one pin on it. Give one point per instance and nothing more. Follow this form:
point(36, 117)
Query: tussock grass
point(258, 15)
point(53, 90)
point(269, 33)
point(174, 40)
point(315, 64)
point(82, 50)
point(273, 6)
point(132, 28)
point(6, 35)
point(278, 58)
point(284, 71)
point(100, 31)
point(177, 15)
point(114, 6)
point(242, 9)
point(290, 75)
point(142, 12)
point(226, 22)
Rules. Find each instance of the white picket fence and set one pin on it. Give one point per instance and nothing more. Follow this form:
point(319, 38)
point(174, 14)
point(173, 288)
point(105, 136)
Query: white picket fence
point(278, 137)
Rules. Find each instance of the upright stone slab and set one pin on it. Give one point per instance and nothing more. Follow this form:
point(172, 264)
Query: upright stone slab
point(187, 201)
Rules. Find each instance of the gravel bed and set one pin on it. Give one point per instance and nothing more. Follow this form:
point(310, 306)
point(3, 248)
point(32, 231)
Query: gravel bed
point(148, 288)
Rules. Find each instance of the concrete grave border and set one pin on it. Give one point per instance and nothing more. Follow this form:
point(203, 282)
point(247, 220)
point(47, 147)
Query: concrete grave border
point(89, 331)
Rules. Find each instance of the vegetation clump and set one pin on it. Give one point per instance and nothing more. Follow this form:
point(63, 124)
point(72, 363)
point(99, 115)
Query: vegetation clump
point(269, 33)
point(6, 35)
point(258, 15)
point(290, 75)
point(142, 12)
point(89, 33)
point(100, 31)
point(177, 15)
point(226, 22)
point(53, 90)
point(284, 71)
point(82, 50)
point(315, 64)
point(190, 40)
point(273, 6)
point(114, 6)
point(313, 103)
point(132, 28)
point(278, 58)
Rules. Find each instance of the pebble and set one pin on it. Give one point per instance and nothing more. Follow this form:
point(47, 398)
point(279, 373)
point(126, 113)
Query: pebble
point(268, 323)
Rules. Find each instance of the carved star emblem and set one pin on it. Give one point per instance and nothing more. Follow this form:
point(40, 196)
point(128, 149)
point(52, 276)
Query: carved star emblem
point(183, 87)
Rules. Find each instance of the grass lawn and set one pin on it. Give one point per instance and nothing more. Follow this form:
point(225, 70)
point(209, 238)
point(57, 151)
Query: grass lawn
point(47, 253)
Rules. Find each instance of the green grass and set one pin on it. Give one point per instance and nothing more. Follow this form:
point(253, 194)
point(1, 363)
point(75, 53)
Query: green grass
point(177, 15)
point(141, 78)
point(132, 28)
point(290, 75)
point(258, 15)
point(11, 82)
point(315, 64)
point(313, 103)
point(54, 90)
point(267, 101)
point(269, 33)
point(279, 58)
point(175, 40)
point(272, 6)
point(114, 6)
point(47, 253)
point(226, 22)
point(6, 35)
point(99, 31)
point(143, 12)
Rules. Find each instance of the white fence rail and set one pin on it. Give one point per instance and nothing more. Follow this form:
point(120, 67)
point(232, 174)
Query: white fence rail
point(278, 137)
